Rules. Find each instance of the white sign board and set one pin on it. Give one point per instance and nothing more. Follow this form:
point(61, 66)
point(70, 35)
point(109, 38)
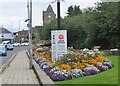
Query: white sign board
point(59, 43)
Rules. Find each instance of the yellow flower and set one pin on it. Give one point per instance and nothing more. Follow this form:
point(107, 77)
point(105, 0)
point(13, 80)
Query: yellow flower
point(84, 61)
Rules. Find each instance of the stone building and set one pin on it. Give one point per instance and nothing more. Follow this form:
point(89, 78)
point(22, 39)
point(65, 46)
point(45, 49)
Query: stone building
point(21, 36)
point(5, 35)
point(48, 15)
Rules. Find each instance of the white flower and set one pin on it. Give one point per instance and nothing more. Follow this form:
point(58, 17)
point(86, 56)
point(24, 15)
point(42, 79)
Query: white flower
point(96, 49)
point(85, 49)
point(91, 52)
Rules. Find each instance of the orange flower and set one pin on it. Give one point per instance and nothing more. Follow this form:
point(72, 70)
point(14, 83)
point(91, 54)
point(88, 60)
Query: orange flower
point(77, 65)
point(41, 54)
point(64, 67)
point(92, 61)
point(45, 56)
point(80, 65)
point(100, 59)
point(49, 59)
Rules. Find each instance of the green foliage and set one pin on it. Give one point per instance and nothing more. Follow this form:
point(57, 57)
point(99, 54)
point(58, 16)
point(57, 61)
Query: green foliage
point(108, 23)
point(71, 48)
point(92, 26)
point(72, 11)
point(33, 36)
point(45, 31)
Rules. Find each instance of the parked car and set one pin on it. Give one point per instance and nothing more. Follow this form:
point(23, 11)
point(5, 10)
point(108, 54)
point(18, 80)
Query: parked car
point(5, 43)
point(24, 44)
point(16, 44)
point(9, 47)
point(3, 51)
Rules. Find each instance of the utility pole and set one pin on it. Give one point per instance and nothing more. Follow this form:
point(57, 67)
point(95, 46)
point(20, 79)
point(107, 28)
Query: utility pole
point(30, 31)
point(29, 6)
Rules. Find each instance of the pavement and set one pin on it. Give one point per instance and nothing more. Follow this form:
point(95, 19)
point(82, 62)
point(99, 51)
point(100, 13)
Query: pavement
point(18, 71)
point(3, 59)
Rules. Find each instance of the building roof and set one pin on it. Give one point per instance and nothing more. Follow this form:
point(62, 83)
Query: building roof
point(4, 30)
point(49, 9)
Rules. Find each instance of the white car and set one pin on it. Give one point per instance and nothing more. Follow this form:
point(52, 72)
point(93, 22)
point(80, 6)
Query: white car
point(9, 47)
point(5, 43)
point(24, 44)
point(3, 51)
point(16, 44)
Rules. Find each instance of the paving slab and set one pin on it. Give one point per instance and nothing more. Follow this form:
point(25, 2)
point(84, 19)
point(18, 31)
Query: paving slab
point(18, 71)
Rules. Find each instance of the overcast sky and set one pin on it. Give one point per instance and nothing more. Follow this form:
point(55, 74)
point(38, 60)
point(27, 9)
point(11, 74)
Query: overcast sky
point(13, 11)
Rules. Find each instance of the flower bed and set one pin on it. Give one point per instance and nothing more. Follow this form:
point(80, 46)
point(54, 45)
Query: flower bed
point(75, 64)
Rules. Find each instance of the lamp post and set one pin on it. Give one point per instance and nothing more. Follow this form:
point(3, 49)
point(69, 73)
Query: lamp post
point(29, 25)
point(58, 13)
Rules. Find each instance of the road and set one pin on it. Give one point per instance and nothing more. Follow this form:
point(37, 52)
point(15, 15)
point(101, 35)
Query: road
point(3, 59)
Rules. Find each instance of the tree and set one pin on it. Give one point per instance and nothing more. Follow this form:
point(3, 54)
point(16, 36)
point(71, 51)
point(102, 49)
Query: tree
point(108, 23)
point(72, 11)
point(89, 27)
point(33, 36)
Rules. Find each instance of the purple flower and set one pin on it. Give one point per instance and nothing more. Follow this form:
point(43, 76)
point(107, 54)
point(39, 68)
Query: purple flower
point(86, 73)
point(108, 65)
point(58, 78)
point(50, 73)
point(43, 64)
point(103, 68)
point(35, 58)
point(94, 72)
point(47, 71)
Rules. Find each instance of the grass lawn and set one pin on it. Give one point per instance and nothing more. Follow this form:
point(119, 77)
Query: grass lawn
point(106, 77)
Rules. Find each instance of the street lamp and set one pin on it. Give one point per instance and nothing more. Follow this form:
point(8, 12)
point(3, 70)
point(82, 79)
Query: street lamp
point(58, 12)
point(29, 25)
